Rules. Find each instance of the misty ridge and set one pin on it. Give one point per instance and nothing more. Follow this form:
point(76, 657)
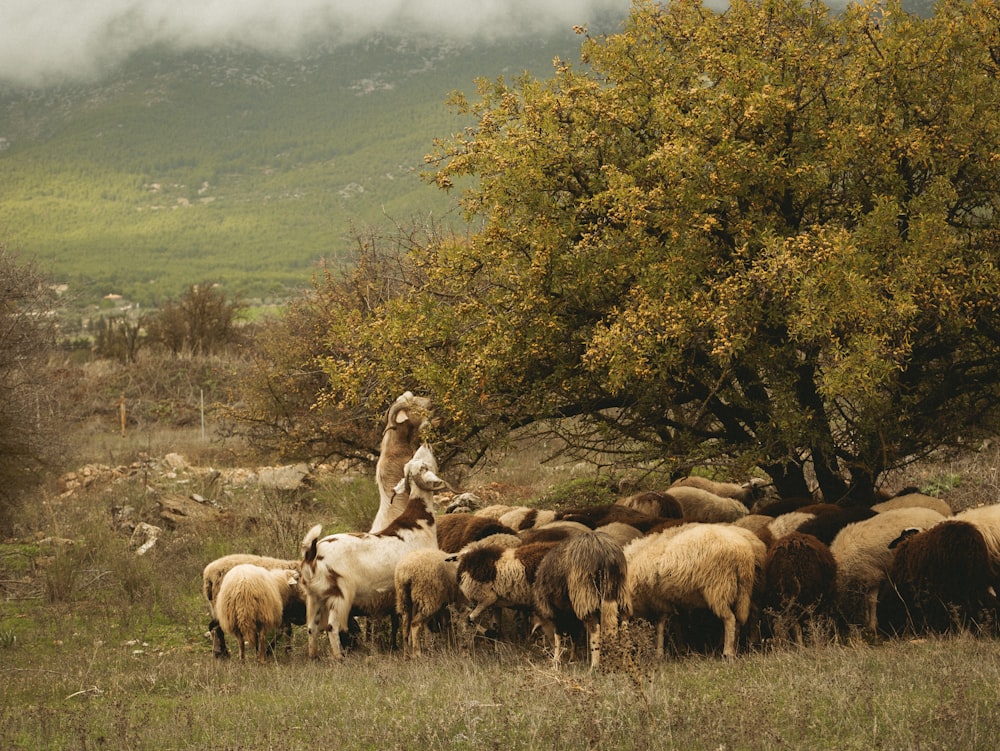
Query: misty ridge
point(45, 42)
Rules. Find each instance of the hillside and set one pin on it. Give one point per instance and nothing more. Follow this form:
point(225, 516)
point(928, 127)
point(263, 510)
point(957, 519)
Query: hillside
point(235, 167)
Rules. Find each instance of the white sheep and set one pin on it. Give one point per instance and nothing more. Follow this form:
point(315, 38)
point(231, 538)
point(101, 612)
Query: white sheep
point(581, 581)
point(746, 493)
point(699, 505)
point(426, 583)
point(250, 603)
point(211, 578)
point(348, 570)
point(710, 566)
point(407, 417)
point(863, 555)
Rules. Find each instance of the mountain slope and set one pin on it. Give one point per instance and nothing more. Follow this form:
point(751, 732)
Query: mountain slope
point(233, 167)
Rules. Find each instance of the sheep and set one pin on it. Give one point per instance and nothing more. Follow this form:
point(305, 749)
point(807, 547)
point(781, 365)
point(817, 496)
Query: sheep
point(250, 602)
point(699, 505)
point(598, 516)
point(211, 578)
point(788, 523)
point(405, 420)
point(939, 578)
point(987, 521)
point(495, 510)
point(494, 576)
point(455, 531)
point(556, 531)
point(426, 582)
point(653, 503)
point(526, 517)
point(783, 506)
point(799, 581)
point(863, 555)
point(343, 571)
point(909, 500)
point(581, 580)
point(620, 532)
point(828, 523)
point(746, 493)
point(694, 566)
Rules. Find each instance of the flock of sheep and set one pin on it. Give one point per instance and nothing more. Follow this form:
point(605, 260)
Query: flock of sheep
point(907, 564)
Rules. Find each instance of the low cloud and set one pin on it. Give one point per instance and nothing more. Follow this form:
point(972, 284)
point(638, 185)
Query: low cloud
point(44, 41)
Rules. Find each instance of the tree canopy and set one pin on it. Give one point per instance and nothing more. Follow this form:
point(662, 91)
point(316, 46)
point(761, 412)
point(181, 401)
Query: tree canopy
point(766, 237)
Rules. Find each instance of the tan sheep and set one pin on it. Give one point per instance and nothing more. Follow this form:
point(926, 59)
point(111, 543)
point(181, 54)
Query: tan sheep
point(211, 578)
point(710, 566)
point(250, 603)
point(426, 583)
point(863, 556)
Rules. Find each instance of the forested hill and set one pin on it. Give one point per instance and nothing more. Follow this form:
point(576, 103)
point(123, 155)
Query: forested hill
point(234, 167)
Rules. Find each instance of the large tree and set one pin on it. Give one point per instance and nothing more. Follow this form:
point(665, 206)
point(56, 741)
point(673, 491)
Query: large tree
point(767, 236)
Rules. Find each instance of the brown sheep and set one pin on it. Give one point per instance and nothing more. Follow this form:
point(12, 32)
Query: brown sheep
point(455, 531)
point(653, 503)
point(581, 581)
point(799, 582)
point(939, 579)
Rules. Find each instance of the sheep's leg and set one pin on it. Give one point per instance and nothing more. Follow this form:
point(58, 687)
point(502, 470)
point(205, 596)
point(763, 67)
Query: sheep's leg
point(871, 602)
point(314, 620)
point(594, 638)
point(729, 630)
point(406, 624)
point(219, 648)
point(260, 641)
point(661, 635)
point(413, 635)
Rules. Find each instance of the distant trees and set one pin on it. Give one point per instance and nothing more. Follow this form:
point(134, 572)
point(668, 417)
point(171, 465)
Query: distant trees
point(200, 322)
point(28, 434)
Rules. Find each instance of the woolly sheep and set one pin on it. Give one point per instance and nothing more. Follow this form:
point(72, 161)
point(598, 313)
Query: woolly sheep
point(863, 555)
point(939, 578)
point(455, 531)
point(987, 521)
point(710, 566)
point(405, 420)
point(495, 510)
point(828, 524)
point(799, 582)
point(788, 523)
point(910, 500)
point(494, 576)
point(526, 517)
point(556, 531)
point(581, 581)
point(620, 532)
point(747, 493)
point(345, 571)
point(598, 516)
point(653, 503)
point(699, 505)
point(211, 578)
point(250, 603)
point(426, 583)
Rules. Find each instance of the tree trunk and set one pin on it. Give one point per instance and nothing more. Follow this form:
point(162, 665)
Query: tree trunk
point(789, 479)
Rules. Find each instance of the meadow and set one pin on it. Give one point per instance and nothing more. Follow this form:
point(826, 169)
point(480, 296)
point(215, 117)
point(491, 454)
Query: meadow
point(102, 648)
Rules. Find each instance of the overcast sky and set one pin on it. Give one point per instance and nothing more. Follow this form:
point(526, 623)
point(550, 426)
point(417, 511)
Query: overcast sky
point(45, 40)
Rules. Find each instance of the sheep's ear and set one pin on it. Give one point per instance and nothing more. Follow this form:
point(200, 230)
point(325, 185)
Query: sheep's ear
point(402, 416)
point(905, 534)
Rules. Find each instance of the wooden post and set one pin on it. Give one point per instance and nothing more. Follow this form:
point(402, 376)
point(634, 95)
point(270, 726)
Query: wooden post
point(121, 412)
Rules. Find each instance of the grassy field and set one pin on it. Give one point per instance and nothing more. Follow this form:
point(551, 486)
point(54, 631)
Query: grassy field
point(101, 648)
